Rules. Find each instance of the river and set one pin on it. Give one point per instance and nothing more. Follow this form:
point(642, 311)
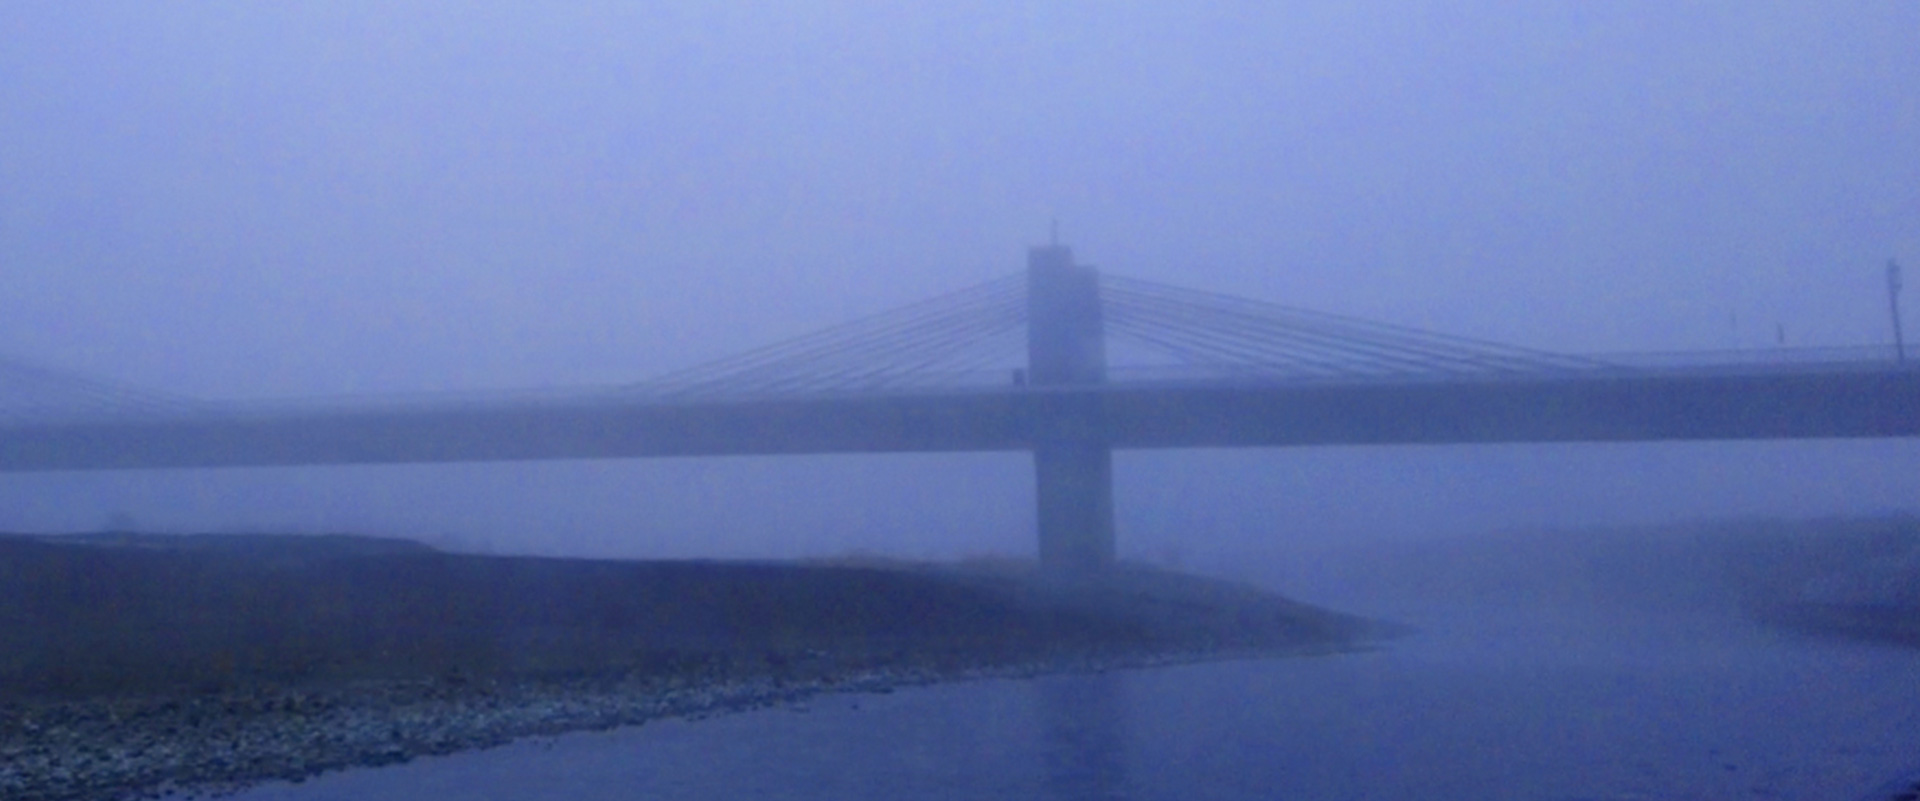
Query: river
point(1488, 701)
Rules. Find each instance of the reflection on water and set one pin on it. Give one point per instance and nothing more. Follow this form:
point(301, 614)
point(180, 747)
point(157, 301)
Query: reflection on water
point(1083, 723)
point(1484, 704)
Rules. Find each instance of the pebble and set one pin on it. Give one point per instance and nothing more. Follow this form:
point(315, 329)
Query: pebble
point(114, 749)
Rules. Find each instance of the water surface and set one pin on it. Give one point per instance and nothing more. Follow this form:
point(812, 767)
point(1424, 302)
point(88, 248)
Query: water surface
point(1486, 703)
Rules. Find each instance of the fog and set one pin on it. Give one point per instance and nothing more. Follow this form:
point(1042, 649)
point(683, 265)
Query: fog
point(242, 200)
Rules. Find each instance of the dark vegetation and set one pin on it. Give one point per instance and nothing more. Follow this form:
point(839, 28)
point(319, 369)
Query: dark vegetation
point(1857, 578)
point(131, 614)
point(1846, 576)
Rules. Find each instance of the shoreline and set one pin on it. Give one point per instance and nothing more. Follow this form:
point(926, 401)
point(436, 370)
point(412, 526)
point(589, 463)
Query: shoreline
point(122, 748)
point(143, 665)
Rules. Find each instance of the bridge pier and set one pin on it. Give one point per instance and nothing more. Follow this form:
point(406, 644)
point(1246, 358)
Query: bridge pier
point(1075, 505)
point(1072, 462)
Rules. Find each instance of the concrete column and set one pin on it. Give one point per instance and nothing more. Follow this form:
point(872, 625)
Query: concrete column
point(1072, 463)
point(1075, 505)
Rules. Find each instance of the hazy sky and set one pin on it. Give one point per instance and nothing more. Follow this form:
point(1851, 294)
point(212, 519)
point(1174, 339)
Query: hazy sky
point(245, 199)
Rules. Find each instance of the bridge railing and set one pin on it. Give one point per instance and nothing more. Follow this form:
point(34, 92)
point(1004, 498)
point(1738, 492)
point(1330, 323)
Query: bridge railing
point(1639, 363)
point(1882, 355)
point(1767, 360)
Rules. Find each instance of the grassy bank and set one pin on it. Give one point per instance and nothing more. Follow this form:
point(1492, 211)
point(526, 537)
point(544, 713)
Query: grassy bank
point(1848, 576)
point(132, 665)
point(144, 615)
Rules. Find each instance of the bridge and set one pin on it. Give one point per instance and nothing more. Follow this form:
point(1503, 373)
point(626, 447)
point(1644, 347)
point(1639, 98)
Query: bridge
point(1059, 361)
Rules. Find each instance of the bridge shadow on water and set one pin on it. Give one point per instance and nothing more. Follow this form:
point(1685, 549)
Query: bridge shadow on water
point(1084, 735)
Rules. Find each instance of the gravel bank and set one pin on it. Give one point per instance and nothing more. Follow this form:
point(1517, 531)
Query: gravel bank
point(135, 666)
point(136, 748)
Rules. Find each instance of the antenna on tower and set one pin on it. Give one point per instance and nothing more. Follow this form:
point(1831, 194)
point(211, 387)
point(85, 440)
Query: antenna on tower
point(1893, 304)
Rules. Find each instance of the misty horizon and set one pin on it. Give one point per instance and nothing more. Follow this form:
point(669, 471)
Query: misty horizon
point(224, 200)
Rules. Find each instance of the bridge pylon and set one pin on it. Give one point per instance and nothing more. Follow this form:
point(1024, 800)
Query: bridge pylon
point(1072, 461)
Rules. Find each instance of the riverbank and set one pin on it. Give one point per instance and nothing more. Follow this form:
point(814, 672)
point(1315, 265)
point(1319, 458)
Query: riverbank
point(139, 665)
point(1849, 577)
point(1495, 698)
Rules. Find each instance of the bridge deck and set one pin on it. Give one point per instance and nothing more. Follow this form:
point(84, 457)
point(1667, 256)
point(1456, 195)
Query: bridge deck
point(1792, 401)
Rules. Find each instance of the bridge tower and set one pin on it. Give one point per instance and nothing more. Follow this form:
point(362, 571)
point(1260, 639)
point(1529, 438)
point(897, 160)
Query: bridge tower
point(1072, 461)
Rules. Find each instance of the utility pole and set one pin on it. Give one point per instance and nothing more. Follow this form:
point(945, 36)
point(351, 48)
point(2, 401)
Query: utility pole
point(1893, 304)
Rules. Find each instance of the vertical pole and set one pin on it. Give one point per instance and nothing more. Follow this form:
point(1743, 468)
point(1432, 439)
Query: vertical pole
point(1893, 303)
point(1072, 462)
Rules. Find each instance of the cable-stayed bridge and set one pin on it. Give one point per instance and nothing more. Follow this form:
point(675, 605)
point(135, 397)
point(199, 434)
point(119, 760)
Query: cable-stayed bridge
point(1059, 361)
